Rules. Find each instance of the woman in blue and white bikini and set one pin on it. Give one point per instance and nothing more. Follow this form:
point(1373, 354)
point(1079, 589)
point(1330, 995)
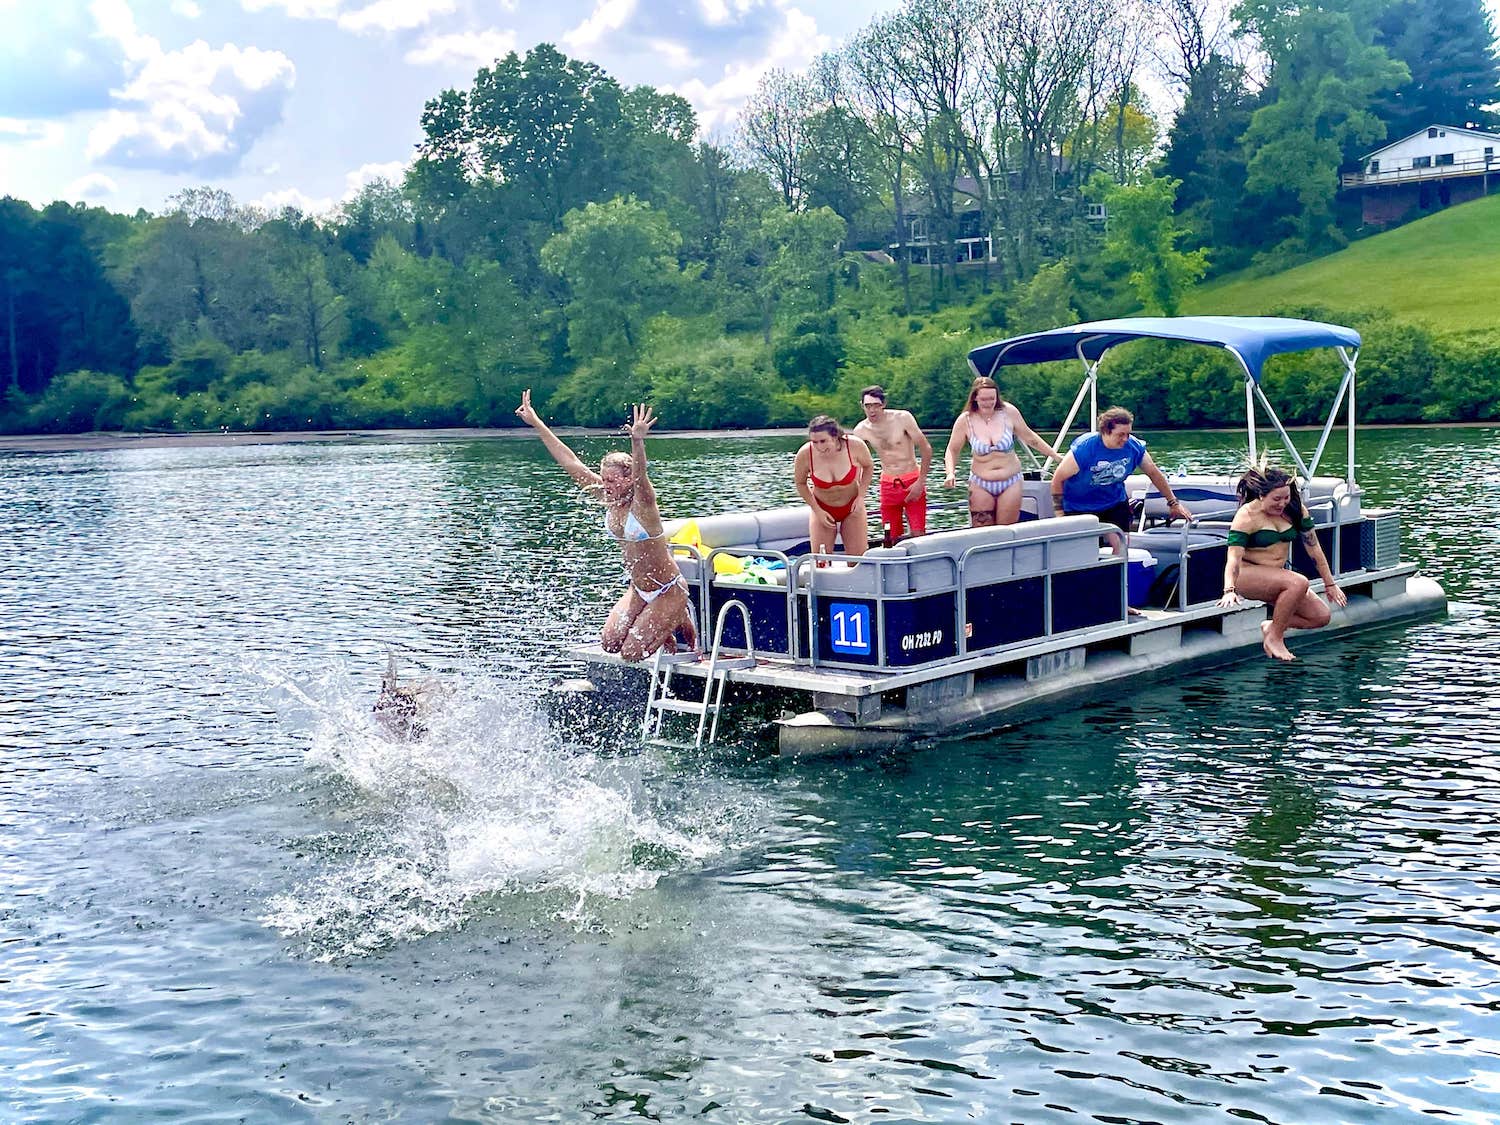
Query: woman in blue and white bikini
point(991, 426)
point(653, 611)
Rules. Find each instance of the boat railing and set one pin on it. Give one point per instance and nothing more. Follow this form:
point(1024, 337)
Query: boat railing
point(814, 574)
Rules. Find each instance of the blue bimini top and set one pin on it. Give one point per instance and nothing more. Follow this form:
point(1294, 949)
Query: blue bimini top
point(1252, 338)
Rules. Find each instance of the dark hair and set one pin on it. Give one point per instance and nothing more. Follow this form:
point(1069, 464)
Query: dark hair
point(984, 382)
point(825, 425)
point(1114, 416)
point(874, 390)
point(1256, 484)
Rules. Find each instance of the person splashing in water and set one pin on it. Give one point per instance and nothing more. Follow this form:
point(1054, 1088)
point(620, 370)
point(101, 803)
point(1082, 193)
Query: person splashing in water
point(1270, 518)
point(653, 611)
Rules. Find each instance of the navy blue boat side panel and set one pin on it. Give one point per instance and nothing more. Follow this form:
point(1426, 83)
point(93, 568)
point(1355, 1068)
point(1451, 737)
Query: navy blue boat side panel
point(1205, 571)
point(1082, 599)
point(921, 630)
point(767, 606)
point(1349, 560)
point(1005, 612)
point(845, 630)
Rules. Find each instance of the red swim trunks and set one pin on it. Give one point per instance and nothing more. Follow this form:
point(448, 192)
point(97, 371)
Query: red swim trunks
point(894, 504)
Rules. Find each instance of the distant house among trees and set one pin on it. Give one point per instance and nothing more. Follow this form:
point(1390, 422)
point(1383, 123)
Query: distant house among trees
point(973, 238)
point(1431, 169)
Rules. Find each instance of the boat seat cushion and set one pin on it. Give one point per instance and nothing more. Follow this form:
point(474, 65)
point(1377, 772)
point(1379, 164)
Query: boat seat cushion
point(935, 556)
point(867, 576)
point(781, 523)
point(1074, 541)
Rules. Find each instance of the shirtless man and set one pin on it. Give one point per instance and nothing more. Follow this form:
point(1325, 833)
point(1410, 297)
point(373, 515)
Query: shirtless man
point(900, 442)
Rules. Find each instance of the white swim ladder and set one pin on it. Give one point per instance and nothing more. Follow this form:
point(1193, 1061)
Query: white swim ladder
point(660, 701)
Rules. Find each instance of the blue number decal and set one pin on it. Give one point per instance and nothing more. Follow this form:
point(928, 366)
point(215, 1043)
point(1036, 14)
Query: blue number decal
point(849, 628)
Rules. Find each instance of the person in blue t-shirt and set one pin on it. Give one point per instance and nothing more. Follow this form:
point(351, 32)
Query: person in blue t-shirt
point(1091, 478)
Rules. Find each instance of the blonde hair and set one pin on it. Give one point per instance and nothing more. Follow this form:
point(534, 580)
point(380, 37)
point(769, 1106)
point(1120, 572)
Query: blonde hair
point(622, 460)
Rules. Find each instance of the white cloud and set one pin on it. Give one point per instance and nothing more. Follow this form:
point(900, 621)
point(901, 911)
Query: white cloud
point(393, 171)
point(297, 9)
point(13, 130)
point(274, 202)
point(394, 15)
point(673, 53)
point(478, 48)
point(360, 17)
point(52, 62)
point(116, 21)
point(608, 16)
point(199, 108)
point(792, 45)
point(95, 185)
point(186, 9)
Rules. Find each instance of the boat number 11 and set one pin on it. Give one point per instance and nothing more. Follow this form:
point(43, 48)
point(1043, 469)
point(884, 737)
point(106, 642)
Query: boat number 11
point(849, 628)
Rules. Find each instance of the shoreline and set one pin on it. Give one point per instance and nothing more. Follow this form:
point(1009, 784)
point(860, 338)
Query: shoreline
point(101, 441)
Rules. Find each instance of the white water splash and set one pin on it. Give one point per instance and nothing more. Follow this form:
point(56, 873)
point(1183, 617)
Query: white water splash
point(490, 810)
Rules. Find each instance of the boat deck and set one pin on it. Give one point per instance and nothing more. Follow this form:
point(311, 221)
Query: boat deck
point(849, 709)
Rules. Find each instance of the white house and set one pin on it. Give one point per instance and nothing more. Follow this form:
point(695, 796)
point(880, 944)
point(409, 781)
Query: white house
point(1432, 168)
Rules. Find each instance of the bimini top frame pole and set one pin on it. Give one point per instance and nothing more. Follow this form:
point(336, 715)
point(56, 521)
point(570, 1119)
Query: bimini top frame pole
point(1250, 339)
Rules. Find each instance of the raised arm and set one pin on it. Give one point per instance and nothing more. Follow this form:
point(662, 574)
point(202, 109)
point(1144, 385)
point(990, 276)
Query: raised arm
point(642, 418)
point(585, 476)
point(1159, 479)
point(1028, 435)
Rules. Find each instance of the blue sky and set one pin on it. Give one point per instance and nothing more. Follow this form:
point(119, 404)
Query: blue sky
point(123, 102)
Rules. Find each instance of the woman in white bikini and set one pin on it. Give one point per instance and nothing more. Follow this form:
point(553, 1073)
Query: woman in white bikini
point(654, 609)
point(991, 426)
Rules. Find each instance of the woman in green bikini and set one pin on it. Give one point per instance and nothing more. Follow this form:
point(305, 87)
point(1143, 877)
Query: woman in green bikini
point(1270, 518)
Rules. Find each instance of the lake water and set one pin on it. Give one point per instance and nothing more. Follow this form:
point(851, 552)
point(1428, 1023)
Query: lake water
point(1268, 893)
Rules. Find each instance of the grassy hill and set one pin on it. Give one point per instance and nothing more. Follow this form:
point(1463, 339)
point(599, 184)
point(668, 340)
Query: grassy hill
point(1442, 271)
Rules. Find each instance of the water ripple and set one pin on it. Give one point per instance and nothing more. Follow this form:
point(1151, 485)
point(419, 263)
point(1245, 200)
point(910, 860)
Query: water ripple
point(1261, 893)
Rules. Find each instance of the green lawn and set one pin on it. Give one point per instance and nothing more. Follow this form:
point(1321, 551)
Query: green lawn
point(1442, 270)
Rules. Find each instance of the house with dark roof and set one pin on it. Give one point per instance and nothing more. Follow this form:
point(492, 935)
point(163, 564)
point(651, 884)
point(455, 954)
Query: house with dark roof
point(1431, 169)
point(973, 240)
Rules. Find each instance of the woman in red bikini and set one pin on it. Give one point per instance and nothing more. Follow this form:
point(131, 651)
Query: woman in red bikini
point(832, 472)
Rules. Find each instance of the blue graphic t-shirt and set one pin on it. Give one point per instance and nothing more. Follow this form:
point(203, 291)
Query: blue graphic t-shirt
point(1099, 482)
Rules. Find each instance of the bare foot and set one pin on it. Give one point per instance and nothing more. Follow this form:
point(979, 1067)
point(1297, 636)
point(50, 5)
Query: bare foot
point(1275, 649)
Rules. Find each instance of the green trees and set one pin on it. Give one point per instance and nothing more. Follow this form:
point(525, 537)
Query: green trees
point(563, 232)
point(1327, 73)
point(1449, 50)
point(619, 261)
point(1143, 235)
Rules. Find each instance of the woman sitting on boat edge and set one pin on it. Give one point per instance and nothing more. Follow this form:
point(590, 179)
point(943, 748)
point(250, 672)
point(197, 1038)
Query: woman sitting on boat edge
point(836, 499)
point(991, 426)
point(1258, 549)
point(653, 611)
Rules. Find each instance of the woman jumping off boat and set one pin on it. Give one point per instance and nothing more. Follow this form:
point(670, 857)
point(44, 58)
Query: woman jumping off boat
point(1270, 518)
point(653, 611)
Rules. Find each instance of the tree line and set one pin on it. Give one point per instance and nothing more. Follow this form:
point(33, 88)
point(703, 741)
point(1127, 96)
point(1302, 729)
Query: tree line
point(561, 231)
